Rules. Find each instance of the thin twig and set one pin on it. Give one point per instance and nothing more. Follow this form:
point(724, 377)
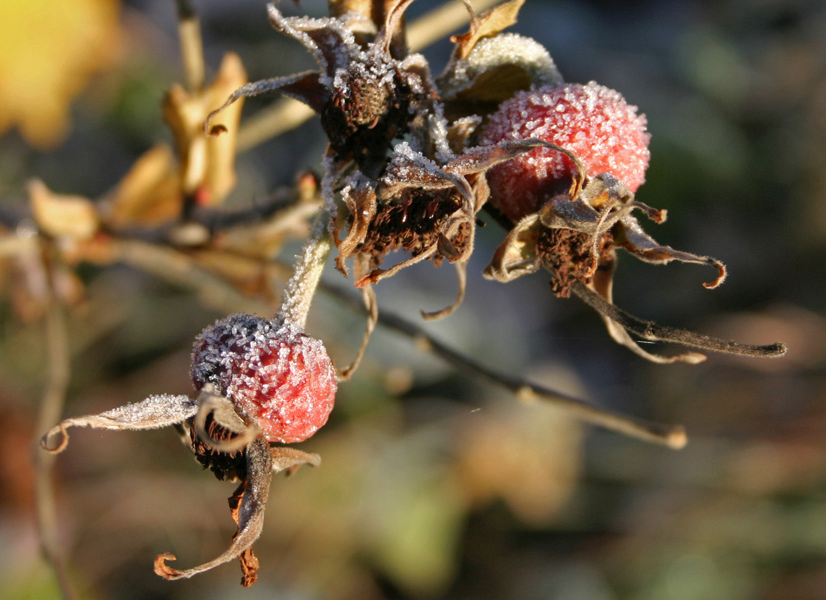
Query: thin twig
point(51, 409)
point(192, 46)
point(524, 389)
point(179, 268)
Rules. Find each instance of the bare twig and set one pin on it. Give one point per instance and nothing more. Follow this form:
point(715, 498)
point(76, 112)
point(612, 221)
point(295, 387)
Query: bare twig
point(51, 409)
point(181, 269)
point(524, 389)
point(440, 22)
point(192, 47)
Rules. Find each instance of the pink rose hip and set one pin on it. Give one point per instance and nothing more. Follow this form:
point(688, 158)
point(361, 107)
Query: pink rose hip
point(277, 376)
point(593, 122)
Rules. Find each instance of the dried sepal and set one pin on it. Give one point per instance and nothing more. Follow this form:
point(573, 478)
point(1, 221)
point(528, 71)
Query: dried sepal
point(602, 284)
point(517, 254)
point(631, 237)
point(360, 198)
point(223, 416)
point(247, 507)
point(254, 490)
point(289, 459)
point(461, 278)
point(368, 295)
point(650, 331)
point(158, 411)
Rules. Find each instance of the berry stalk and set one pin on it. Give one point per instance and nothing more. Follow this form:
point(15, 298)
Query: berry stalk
point(298, 295)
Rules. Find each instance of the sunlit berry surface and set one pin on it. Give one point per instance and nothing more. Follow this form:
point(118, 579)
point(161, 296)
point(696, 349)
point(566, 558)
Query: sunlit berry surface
point(278, 377)
point(590, 120)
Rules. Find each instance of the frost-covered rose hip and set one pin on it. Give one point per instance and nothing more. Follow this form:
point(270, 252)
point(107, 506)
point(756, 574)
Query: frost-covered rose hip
point(592, 121)
point(274, 374)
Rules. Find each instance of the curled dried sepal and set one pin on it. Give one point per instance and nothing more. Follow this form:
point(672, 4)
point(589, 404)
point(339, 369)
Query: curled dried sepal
point(368, 295)
point(156, 411)
point(224, 415)
point(461, 277)
point(650, 331)
point(250, 518)
point(247, 505)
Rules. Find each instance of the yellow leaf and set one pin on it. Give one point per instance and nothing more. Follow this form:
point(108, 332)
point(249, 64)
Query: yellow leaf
point(207, 163)
point(48, 51)
point(73, 217)
point(150, 193)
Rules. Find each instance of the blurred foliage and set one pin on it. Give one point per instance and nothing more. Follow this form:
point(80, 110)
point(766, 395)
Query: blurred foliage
point(48, 52)
point(434, 485)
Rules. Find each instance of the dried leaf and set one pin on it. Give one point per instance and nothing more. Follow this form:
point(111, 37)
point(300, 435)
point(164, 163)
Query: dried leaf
point(489, 23)
point(207, 162)
point(150, 193)
point(58, 215)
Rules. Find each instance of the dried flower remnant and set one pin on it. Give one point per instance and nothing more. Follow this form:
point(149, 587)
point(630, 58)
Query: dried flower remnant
point(400, 169)
point(572, 203)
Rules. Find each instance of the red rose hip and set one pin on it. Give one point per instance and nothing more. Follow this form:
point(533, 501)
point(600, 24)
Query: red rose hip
point(593, 122)
point(276, 376)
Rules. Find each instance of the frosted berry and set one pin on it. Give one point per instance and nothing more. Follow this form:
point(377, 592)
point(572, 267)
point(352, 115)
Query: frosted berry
point(274, 374)
point(592, 121)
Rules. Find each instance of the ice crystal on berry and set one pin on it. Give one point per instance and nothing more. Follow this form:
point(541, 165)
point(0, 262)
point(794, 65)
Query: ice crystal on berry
point(275, 375)
point(592, 121)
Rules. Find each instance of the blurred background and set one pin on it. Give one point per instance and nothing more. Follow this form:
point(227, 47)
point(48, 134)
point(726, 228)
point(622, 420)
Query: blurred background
point(433, 484)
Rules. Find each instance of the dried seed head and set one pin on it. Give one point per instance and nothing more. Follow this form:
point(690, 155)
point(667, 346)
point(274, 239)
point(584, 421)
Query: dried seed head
point(567, 255)
point(370, 104)
point(593, 122)
point(275, 375)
